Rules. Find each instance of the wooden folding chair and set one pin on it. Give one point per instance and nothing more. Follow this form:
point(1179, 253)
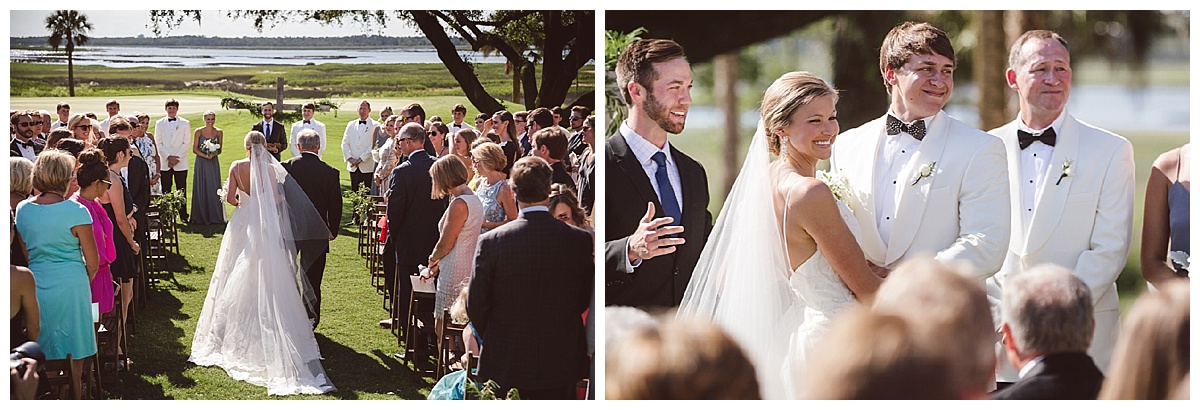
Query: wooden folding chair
point(60, 378)
point(450, 331)
point(410, 335)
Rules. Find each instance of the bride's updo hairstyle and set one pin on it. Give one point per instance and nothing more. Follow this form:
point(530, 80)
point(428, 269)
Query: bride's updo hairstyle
point(255, 138)
point(93, 166)
point(787, 94)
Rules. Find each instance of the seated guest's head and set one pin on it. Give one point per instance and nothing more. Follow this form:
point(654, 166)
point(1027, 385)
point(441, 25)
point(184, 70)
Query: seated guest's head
point(52, 171)
point(550, 144)
point(876, 356)
point(1046, 310)
point(488, 156)
point(1153, 354)
point(20, 174)
point(447, 173)
point(71, 146)
point(530, 180)
point(941, 300)
point(565, 206)
point(679, 360)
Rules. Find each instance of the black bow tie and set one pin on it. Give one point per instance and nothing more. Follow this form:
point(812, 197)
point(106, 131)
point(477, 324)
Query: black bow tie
point(27, 144)
point(361, 122)
point(1047, 137)
point(306, 121)
point(916, 129)
point(170, 119)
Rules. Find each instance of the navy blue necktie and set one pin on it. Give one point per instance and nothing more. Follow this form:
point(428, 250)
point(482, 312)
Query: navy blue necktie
point(666, 194)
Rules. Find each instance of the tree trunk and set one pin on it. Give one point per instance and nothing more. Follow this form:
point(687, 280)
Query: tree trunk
point(516, 73)
point(856, 66)
point(726, 76)
point(991, 61)
point(71, 72)
point(462, 72)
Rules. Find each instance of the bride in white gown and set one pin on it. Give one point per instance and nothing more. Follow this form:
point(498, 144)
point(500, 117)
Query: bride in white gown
point(783, 259)
point(254, 323)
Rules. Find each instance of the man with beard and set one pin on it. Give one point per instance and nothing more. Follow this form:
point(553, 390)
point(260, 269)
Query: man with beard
point(274, 131)
point(23, 143)
point(657, 236)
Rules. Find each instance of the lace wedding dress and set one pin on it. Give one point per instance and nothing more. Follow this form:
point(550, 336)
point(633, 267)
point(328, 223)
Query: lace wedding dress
point(744, 283)
point(254, 323)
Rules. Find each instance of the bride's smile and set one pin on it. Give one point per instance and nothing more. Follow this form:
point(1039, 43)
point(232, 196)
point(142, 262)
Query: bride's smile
point(812, 128)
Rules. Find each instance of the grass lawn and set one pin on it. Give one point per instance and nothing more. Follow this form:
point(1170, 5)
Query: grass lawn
point(706, 146)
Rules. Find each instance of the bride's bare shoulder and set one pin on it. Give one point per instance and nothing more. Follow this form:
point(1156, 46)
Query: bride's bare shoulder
point(806, 192)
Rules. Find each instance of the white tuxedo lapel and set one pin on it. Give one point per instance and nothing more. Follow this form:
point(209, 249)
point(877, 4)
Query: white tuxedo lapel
point(1050, 202)
point(1012, 149)
point(861, 148)
point(910, 209)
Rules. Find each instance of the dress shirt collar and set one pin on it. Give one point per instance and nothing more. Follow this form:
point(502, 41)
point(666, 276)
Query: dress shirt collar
point(642, 149)
point(1057, 124)
point(1029, 366)
point(534, 208)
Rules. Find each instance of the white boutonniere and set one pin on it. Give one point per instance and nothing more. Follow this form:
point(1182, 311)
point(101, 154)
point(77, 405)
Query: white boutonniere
point(1181, 258)
point(925, 171)
point(837, 183)
point(1067, 171)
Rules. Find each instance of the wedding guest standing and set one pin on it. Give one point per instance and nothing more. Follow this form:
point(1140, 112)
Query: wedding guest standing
point(136, 174)
point(438, 135)
point(274, 130)
point(459, 113)
point(118, 203)
point(506, 129)
point(654, 236)
point(81, 129)
point(24, 144)
point(94, 180)
point(144, 141)
point(499, 205)
point(171, 137)
point(452, 262)
point(550, 144)
point(308, 123)
point(1166, 222)
point(1071, 186)
point(585, 180)
point(461, 148)
point(381, 136)
point(207, 208)
point(389, 157)
point(58, 232)
point(356, 147)
point(20, 174)
point(565, 207)
point(64, 114)
point(532, 283)
point(932, 184)
point(1153, 356)
point(1047, 314)
point(321, 185)
point(113, 108)
point(413, 216)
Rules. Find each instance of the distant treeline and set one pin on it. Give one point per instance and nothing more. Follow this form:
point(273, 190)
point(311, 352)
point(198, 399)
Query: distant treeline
point(238, 42)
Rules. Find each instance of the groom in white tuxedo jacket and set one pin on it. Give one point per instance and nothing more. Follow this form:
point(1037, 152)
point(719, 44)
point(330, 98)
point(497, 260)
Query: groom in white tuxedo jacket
point(1071, 186)
point(922, 182)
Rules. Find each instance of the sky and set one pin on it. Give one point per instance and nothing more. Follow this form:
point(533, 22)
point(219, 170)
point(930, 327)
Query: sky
point(131, 23)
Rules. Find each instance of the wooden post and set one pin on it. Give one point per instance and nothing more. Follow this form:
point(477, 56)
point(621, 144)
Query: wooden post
point(726, 75)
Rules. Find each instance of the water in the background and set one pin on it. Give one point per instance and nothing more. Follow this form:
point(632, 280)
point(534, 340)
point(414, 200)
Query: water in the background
point(217, 57)
point(1115, 108)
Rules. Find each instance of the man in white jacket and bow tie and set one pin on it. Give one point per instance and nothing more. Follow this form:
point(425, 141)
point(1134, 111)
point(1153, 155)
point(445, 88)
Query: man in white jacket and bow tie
point(308, 123)
point(920, 181)
point(1071, 188)
point(357, 142)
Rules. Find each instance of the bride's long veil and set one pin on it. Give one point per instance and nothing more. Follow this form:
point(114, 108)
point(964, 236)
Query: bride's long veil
point(741, 279)
point(284, 209)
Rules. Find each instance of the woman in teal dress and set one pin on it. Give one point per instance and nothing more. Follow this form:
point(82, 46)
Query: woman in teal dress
point(63, 258)
point(206, 204)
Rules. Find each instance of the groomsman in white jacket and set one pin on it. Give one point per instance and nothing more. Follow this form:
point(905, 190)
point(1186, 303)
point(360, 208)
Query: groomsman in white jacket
point(308, 123)
point(1071, 186)
point(357, 142)
point(173, 136)
point(922, 182)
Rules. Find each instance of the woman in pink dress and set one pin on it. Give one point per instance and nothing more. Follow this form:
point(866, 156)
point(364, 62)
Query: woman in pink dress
point(92, 177)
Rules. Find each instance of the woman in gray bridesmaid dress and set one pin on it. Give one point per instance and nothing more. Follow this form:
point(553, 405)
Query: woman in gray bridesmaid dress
point(206, 204)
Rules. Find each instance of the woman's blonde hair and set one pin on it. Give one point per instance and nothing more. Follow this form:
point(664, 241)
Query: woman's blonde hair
point(690, 360)
point(20, 171)
point(75, 120)
point(255, 138)
point(447, 173)
point(490, 155)
point(1153, 354)
point(786, 95)
point(52, 171)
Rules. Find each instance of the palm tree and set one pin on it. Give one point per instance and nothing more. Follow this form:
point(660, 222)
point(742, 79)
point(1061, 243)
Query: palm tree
point(70, 26)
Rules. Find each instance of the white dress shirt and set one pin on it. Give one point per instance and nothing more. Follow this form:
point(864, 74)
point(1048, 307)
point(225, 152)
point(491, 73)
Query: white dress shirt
point(643, 150)
point(1035, 167)
point(27, 151)
point(314, 125)
point(896, 152)
point(455, 128)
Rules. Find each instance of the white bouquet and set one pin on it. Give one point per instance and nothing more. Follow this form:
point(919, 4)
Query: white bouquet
point(836, 182)
point(209, 147)
point(1180, 258)
point(223, 190)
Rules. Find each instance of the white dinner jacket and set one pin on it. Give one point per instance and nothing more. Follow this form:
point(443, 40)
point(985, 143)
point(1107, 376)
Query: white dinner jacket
point(1083, 223)
point(358, 144)
point(959, 213)
point(173, 138)
point(317, 126)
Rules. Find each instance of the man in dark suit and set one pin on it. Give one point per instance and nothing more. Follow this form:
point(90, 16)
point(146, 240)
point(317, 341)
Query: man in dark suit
point(657, 217)
point(321, 184)
point(550, 144)
point(274, 131)
point(412, 221)
point(1048, 324)
point(24, 143)
point(533, 281)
